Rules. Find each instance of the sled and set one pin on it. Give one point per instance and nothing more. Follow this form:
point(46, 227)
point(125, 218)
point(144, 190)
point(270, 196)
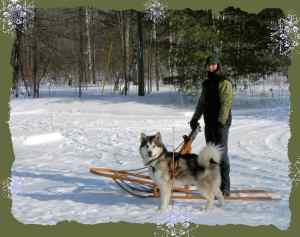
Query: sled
point(141, 185)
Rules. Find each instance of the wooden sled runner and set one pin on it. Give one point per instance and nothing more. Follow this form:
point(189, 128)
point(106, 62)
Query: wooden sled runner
point(141, 185)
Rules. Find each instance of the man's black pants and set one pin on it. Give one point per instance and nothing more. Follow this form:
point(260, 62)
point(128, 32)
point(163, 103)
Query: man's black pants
point(219, 135)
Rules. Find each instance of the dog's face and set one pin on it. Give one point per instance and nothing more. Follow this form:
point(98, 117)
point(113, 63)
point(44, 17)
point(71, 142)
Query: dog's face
point(151, 146)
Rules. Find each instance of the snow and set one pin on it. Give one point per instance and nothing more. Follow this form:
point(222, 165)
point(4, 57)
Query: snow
point(58, 137)
point(43, 138)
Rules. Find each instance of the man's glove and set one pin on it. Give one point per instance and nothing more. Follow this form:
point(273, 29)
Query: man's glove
point(194, 124)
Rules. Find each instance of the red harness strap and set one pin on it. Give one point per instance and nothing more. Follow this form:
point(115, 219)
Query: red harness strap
point(173, 168)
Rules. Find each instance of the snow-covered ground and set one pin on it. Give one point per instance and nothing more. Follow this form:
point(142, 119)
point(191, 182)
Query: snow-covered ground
point(57, 139)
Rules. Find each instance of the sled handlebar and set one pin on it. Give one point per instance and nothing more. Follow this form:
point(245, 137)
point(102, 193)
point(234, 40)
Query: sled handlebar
point(188, 140)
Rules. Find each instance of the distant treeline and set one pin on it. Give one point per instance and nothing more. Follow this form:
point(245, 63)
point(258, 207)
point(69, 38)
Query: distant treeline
point(81, 46)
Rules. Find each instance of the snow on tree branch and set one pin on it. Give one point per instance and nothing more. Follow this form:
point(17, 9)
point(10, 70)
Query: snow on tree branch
point(15, 15)
point(155, 11)
point(285, 34)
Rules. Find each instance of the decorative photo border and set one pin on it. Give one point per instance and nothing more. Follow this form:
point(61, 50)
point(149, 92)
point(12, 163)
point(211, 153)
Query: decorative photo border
point(9, 226)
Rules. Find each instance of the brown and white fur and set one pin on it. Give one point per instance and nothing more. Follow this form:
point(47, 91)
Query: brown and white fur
point(202, 170)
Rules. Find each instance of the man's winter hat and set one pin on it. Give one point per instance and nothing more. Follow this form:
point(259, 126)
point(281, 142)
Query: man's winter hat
point(213, 58)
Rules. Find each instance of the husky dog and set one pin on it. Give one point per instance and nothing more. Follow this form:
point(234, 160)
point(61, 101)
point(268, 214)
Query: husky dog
point(201, 170)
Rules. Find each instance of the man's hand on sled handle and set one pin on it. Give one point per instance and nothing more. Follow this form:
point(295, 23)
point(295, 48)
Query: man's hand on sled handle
point(186, 148)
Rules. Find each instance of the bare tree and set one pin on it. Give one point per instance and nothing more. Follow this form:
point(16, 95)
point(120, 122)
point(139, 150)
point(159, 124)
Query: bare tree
point(156, 58)
point(141, 82)
point(35, 54)
point(150, 59)
point(15, 62)
point(93, 45)
point(81, 62)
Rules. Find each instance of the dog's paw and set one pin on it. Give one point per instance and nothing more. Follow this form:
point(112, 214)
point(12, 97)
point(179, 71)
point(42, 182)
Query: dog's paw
point(163, 208)
point(204, 209)
point(220, 205)
point(208, 208)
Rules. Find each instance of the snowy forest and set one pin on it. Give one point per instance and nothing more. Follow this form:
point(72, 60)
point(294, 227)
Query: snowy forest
point(87, 47)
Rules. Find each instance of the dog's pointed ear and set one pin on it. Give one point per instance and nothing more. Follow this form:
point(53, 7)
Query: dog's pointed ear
point(143, 137)
point(158, 138)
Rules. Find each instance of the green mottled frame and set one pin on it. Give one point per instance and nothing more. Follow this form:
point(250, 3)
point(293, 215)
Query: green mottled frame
point(10, 227)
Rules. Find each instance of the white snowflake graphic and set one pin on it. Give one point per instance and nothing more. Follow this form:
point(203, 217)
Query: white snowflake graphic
point(155, 11)
point(176, 224)
point(285, 34)
point(11, 186)
point(15, 15)
point(295, 171)
point(174, 230)
point(5, 188)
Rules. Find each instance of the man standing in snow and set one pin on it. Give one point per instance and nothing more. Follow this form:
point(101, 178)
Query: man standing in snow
point(215, 105)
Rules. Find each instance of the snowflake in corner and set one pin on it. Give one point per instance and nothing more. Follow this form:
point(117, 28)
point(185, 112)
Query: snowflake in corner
point(176, 230)
point(15, 15)
point(295, 171)
point(155, 11)
point(174, 223)
point(285, 34)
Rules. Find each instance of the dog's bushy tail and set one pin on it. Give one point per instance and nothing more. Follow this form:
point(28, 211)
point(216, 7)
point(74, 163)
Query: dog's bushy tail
point(210, 155)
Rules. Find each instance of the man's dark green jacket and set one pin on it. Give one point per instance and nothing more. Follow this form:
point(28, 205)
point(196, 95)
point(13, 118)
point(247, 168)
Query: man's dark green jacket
point(215, 101)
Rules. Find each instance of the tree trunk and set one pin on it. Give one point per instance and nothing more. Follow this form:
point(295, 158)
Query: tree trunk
point(108, 73)
point(170, 62)
point(81, 51)
point(24, 79)
point(141, 83)
point(127, 31)
point(93, 47)
point(35, 56)
point(15, 63)
point(123, 43)
point(25, 64)
point(150, 52)
point(124, 30)
point(148, 70)
point(157, 60)
point(89, 44)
